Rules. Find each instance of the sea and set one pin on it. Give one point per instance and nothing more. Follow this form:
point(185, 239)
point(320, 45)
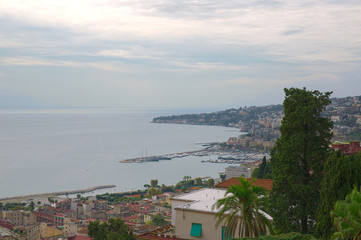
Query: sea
point(49, 150)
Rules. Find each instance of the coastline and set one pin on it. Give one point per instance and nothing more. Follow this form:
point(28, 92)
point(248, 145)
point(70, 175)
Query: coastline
point(53, 194)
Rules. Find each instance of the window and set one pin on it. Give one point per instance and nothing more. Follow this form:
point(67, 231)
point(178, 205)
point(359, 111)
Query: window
point(196, 230)
point(224, 234)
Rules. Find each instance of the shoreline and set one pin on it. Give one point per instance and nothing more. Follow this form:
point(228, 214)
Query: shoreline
point(54, 194)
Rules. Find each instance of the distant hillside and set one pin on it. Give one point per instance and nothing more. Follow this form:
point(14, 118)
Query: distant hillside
point(345, 113)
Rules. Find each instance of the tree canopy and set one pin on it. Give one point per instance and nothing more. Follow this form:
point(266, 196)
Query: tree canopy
point(240, 211)
point(115, 229)
point(298, 160)
point(347, 214)
point(342, 173)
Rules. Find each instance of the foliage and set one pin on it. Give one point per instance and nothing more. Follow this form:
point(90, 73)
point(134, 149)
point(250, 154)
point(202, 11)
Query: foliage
point(12, 206)
point(31, 206)
point(263, 171)
point(186, 178)
point(211, 182)
point(223, 177)
point(153, 191)
point(239, 210)
point(159, 220)
point(286, 236)
point(199, 181)
point(188, 182)
point(113, 198)
point(154, 182)
point(347, 216)
point(115, 229)
point(342, 173)
point(165, 188)
point(298, 159)
point(255, 173)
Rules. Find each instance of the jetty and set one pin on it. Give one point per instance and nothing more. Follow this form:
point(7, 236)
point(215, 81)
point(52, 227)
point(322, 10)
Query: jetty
point(162, 157)
point(84, 190)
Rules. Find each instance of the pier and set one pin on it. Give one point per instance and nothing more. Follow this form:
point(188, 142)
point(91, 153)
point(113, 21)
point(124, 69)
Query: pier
point(85, 190)
point(160, 157)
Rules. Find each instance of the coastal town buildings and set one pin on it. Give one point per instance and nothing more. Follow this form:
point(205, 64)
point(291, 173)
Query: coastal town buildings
point(350, 148)
point(238, 171)
point(19, 218)
point(193, 215)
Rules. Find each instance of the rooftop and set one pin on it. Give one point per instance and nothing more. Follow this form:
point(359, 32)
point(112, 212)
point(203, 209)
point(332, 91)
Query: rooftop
point(266, 183)
point(201, 200)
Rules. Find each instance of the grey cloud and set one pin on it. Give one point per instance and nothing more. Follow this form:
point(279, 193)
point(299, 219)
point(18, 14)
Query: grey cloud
point(292, 32)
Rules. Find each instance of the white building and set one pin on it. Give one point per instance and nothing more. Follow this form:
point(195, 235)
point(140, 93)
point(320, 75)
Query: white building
point(194, 217)
point(238, 171)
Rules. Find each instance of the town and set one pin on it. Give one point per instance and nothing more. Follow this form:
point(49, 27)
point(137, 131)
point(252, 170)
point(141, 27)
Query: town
point(158, 212)
point(260, 126)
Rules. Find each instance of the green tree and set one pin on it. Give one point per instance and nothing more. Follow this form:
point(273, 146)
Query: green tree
point(347, 216)
point(268, 171)
point(298, 159)
point(31, 206)
point(255, 173)
point(186, 178)
point(262, 167)
point(199, 181)
point(342, 173)
point(154, 182)
point(159, 220)
point(114, 229)
point(165, 188)
point(211, 182)
point(153, 191)
point(240, 211)
point(223, 177)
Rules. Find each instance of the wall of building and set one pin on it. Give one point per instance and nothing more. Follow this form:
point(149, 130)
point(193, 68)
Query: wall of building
point(185, 218)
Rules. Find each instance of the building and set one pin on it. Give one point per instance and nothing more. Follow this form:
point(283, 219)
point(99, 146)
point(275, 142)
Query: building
point(347, 148)
point(238, 171)
point(266, 183)
point(19, 218)
point(26, 233)
point(193, 215)
point(50, 216)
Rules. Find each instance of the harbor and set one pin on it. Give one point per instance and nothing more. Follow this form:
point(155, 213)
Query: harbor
point(212, 150)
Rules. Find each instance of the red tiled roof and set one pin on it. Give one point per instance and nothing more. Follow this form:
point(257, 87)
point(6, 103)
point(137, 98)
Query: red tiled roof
point(266, 183)
point(79, 237)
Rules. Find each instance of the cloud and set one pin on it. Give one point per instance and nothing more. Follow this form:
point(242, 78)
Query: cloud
point(32, 61)
point(183, 44)
point(136, 53)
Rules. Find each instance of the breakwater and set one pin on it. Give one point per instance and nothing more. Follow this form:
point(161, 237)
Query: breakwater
point(84, 190)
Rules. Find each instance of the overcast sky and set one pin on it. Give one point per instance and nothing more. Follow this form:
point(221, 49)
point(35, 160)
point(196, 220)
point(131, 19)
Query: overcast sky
point(175, 53)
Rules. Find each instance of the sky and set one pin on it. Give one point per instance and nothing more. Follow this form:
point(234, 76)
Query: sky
point(154, 54)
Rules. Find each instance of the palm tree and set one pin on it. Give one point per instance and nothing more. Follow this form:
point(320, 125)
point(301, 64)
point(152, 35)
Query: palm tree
point(239, 211)
point(347, 217)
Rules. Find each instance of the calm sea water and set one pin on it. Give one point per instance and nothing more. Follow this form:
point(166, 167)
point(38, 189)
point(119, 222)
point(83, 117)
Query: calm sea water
point(55, 150)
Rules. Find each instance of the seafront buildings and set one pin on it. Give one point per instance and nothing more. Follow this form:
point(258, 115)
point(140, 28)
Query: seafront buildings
point(69, 218)
point(184, 215)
